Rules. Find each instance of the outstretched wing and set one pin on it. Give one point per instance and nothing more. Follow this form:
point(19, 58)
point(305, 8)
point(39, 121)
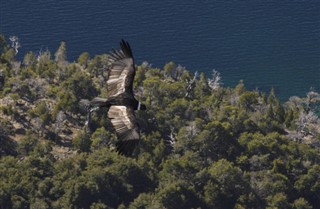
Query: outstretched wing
point(124, 122)
point(121, 71)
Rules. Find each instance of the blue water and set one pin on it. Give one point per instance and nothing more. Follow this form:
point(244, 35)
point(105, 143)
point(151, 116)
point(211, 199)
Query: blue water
point(265, 43)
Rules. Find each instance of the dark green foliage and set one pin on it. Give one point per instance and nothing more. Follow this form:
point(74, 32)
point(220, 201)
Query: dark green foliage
point(7, 145)
point(84, 59)
point(82, 142)
point(72, 90)
point(200, 147)
point(3, 43)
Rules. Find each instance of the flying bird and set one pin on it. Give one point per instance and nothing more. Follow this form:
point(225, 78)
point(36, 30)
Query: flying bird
point(120, 100)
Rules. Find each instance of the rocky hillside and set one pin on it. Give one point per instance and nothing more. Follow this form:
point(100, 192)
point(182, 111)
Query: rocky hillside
point(203, 145)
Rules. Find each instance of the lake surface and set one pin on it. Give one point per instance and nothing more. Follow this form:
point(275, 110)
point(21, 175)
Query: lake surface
point(265, 43)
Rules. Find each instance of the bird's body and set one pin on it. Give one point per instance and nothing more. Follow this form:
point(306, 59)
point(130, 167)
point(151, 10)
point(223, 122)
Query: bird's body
point(120, 100)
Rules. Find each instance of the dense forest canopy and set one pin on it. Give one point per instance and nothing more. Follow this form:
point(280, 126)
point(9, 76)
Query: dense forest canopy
point(203, 145)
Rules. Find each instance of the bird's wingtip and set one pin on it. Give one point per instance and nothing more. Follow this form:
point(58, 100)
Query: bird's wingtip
point(125, 47)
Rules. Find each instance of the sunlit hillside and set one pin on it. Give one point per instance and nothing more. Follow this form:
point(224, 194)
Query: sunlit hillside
point(204, 145)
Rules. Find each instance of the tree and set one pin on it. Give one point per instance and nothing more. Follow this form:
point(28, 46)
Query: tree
point(144, 200)
point(272, 99)
point(301, 203)
point(61, 53)
point(309, 184)
point(215, 82)
point(170, 70)
point(7, 145)
point(190, 85)
point(152, 90)
point(312, 101)
point(15, 43)
point(41, 110)
point(225, 186)
point(248, 100)
point(9, 56)
point(177, 195)
point(201, 88)
point(45, 67)
point(279, 200)
point(308, 123)
point(3, 44)
point(29, 59)
point(98, 65)
point(72, 90)
point(27, 144)
point(84, 59)
point(240, 88)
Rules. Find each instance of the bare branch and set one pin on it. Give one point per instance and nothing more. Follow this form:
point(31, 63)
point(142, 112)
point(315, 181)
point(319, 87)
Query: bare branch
point(191, 84)
point(15, 43)
point(215, 82)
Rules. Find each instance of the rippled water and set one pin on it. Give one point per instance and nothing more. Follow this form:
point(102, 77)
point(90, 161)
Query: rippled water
point(265, 43)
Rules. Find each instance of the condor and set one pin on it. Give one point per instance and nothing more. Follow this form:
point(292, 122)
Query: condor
point(120, 100)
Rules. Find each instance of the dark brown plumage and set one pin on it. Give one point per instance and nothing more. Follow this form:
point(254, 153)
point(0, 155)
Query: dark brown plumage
point(121, 72)
point(120, 94)
point(124, 122)
point(120, 99)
